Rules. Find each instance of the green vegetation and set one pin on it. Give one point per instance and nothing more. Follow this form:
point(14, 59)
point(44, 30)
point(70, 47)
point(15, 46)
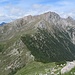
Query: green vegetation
point(2, 47)
point(61, 62)
point(13, 71)
point(39, 68)
point(50, 47)
point(35, 68)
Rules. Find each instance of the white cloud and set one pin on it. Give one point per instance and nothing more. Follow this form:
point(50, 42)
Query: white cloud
point(63, 8)
point(11, 12)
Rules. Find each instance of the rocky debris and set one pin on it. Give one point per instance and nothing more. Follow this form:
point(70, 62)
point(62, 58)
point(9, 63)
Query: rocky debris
point(68, 67)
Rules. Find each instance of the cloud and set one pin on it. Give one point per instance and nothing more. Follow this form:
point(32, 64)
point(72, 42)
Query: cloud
point(19, 8)
point(64, 8)
point(10, 13)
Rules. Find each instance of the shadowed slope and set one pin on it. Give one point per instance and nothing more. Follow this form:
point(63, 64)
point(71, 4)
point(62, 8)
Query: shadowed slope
point(49, 46)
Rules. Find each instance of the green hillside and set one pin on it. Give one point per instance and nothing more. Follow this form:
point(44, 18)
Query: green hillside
point(50, 47)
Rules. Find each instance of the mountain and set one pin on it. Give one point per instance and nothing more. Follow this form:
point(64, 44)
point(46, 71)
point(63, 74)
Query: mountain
point(39, 39)
point(2, 23)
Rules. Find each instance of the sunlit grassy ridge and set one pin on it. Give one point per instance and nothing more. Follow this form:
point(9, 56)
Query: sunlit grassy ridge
point(35, 68)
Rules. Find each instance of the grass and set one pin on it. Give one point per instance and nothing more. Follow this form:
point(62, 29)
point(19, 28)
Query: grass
point(35, 68)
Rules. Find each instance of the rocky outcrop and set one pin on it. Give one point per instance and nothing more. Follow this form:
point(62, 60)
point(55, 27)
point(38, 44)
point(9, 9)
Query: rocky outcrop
point(31, 22)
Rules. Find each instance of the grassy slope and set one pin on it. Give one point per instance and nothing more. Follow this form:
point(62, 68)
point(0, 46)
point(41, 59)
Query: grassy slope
point(38, 68)
point(35, 68)
point(9, 46)
point(48, 47)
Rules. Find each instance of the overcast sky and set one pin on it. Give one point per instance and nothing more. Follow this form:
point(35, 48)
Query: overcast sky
point(13, 9)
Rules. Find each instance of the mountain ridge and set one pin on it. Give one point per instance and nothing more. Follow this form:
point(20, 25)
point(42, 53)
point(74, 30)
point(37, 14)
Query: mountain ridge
point(3, 23)
point(14, 49)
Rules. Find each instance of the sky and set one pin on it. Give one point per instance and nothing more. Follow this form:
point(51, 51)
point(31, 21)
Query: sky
point(14, 9)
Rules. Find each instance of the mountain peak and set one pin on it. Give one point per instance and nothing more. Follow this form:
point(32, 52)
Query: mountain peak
point(2, 23)
point(69, 18)
point(50, 16)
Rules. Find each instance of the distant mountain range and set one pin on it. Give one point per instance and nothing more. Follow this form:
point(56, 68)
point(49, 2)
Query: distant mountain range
point(2, 23)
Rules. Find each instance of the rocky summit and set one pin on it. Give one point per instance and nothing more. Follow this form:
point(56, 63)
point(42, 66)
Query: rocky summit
point(37, 45)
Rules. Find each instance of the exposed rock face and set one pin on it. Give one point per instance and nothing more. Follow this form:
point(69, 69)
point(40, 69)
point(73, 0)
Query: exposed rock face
point(26, 23)
point(68, 67)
